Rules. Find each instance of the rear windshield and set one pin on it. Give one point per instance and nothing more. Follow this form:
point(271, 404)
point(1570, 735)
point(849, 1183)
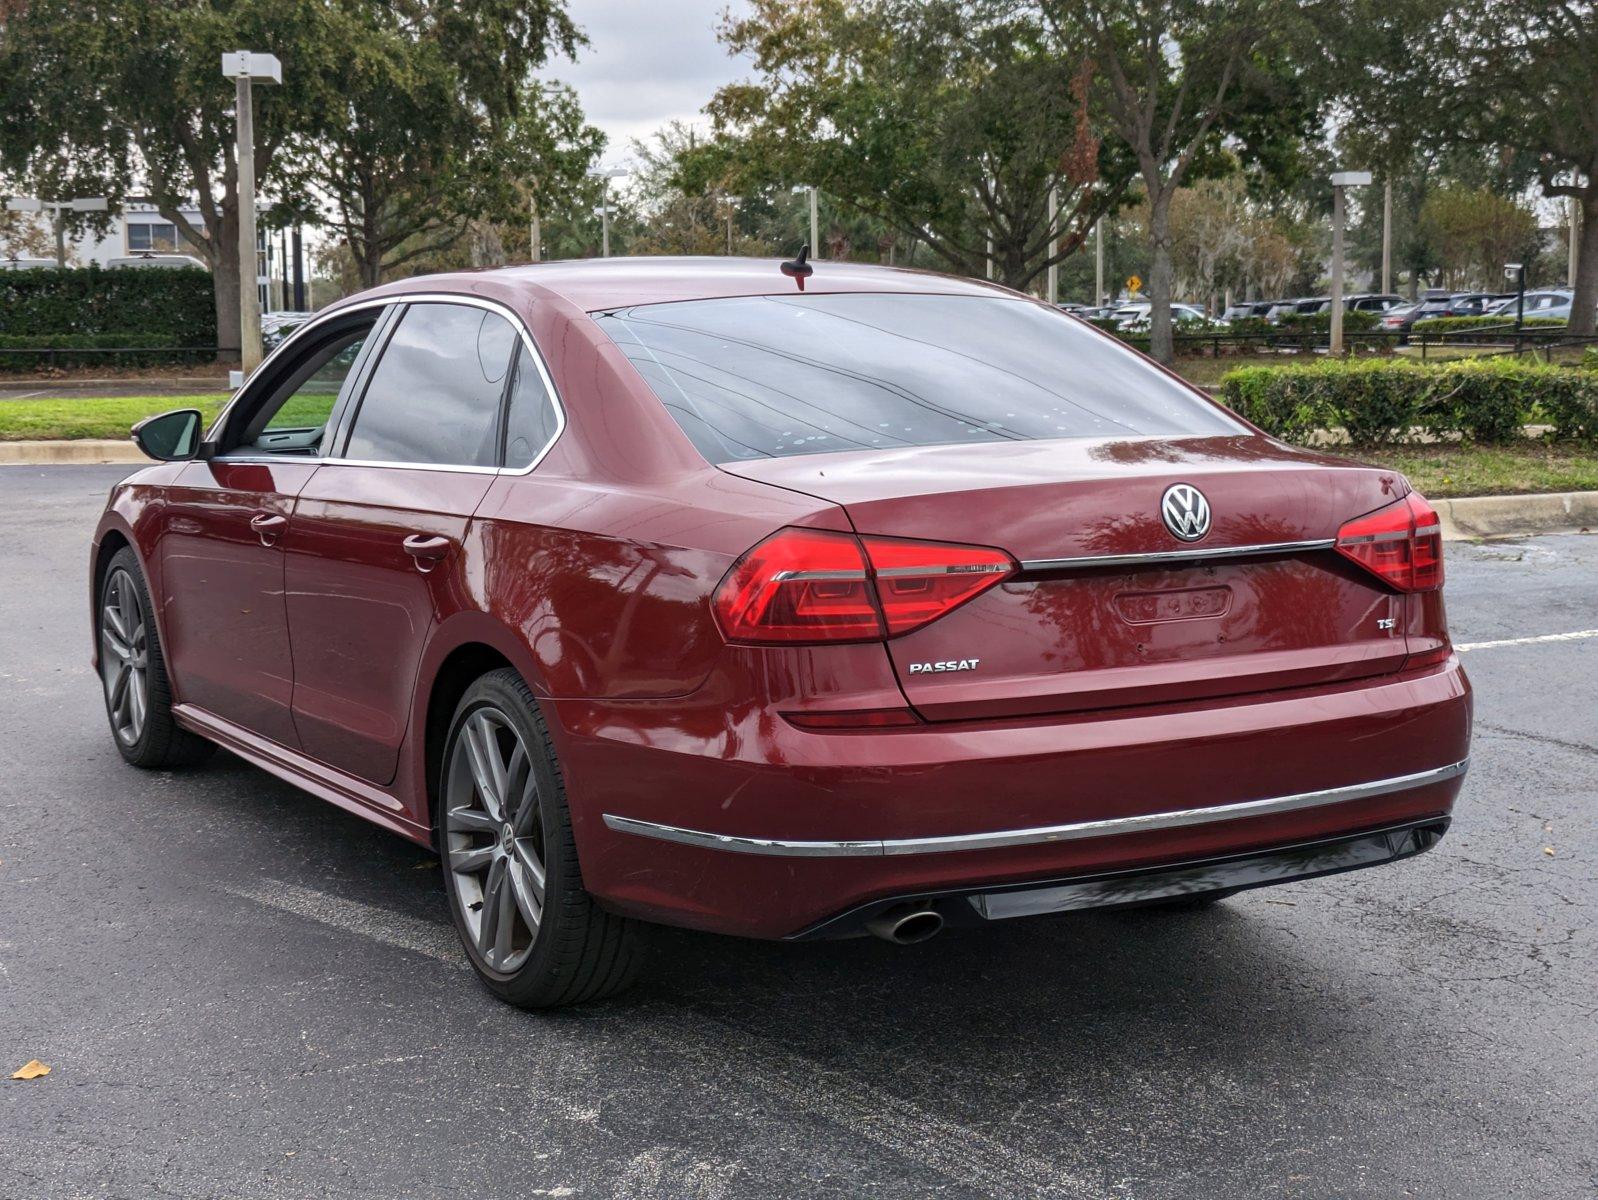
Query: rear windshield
point(770, 376)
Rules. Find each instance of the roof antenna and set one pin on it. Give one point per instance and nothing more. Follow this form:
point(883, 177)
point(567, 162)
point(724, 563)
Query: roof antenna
point(798, 269)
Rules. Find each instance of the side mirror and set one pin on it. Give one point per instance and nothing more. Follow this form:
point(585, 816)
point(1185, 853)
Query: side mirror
point(170, 437)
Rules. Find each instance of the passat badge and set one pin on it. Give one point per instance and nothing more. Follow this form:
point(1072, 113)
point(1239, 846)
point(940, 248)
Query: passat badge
point(1186, 511)
point(952, 664)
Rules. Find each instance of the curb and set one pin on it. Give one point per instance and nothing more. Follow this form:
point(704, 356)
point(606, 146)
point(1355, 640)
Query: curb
point(1472, 517)
point(84, 450)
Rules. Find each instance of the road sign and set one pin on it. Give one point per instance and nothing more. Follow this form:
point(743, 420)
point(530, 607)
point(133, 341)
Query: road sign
point(1133, 285)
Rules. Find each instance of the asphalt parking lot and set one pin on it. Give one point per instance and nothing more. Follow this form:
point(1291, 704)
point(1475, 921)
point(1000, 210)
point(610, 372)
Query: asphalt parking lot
point(242, 991)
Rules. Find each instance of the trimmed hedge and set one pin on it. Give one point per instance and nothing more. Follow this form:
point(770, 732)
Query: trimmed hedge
point(68, 342)
point(175, 306)
point(1322, 322)
point(1457, 324)
point(1385, 401)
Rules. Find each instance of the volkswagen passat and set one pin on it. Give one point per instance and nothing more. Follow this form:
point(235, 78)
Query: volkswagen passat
point(788, 605)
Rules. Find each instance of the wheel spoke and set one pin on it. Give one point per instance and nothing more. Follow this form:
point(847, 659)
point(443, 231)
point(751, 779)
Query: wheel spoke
point(471, 860)
point(527, 807)
point(505, 925)
point(119, 689)
point(530, 871)
point(136, 700)
point(528, 899)
point(114, 630)
point(483, 757)
point(488, 925)
point(471, 820)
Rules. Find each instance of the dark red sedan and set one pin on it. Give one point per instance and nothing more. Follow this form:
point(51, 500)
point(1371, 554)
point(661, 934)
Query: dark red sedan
point(673, 591)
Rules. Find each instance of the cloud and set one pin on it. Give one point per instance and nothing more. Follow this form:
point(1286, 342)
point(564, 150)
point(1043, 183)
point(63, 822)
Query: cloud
point(648, 62)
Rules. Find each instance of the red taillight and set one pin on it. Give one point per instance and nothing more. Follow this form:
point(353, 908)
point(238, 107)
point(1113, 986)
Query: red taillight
point(814, 585)
point(918, 582)
point(799, 585)
point(1402, 544)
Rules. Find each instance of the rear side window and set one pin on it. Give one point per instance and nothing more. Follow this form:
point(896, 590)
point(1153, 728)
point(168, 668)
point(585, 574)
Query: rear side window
point(434, 396)
point(771, 376)
point(532, 420)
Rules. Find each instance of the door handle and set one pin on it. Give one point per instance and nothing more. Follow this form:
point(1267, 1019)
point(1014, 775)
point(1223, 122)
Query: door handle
point(268, 526)
point(427, 551)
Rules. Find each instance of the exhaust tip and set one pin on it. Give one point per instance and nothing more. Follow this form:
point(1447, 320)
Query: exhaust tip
point(907, 928)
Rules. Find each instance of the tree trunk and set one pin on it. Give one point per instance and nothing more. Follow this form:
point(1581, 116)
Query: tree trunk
point(1161, 347)
point(1582, 308)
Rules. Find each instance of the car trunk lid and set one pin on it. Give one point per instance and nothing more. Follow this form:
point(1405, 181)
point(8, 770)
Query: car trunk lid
point(1109, 607)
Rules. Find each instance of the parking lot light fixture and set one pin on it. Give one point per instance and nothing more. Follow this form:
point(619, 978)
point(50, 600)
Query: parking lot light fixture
point(604, 205)
point(1340, 180)
point(245, 67)
point(57, 207)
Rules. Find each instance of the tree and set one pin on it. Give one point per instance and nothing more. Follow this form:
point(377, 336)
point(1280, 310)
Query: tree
point(99, 95)
point(1474, 232)
point(1178, 80)
point(431, 124)
point(1515, 79)
point(947, 120)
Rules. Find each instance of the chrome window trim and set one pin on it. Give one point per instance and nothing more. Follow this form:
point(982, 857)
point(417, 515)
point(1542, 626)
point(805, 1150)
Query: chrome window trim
point(1110, 827)
point(1191, 554)
point(384, 302)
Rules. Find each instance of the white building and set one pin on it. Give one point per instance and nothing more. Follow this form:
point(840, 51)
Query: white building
point(137, 230)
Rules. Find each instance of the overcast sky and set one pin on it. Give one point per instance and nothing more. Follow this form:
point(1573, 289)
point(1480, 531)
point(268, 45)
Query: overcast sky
point(647, 62)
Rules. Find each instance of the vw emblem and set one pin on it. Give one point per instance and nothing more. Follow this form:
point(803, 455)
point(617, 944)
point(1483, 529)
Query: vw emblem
point(1186, 511)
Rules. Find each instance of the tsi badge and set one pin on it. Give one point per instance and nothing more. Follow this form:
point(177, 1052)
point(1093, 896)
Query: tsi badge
point(953, 664)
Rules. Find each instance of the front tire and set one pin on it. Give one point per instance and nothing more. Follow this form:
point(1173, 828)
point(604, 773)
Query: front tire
point(138, 693)
point(534, 935)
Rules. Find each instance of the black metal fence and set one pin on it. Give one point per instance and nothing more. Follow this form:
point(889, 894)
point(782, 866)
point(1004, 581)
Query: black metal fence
point(1490, 340)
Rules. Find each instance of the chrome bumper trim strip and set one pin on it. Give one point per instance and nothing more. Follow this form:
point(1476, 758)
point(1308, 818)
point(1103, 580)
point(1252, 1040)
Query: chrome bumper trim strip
point(1190, 554)
point(1028, 837)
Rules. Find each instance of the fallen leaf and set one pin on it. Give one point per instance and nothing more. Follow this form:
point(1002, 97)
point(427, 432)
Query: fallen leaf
point(32, 1069)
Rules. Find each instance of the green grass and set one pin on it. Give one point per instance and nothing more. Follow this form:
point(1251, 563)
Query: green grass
point(96, 417)
point(1452, 470)
point(112, 416)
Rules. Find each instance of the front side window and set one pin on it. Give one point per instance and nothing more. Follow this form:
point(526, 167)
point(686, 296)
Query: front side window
point(434, 396)
point(771, 376)
point(293, 419)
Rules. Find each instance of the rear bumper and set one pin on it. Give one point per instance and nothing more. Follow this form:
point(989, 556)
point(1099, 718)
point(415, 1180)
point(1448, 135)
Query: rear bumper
point(1174, 881)
point(698, 813)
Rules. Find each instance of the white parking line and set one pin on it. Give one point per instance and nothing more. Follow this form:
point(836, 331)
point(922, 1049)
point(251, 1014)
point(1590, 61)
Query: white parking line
point(1529, 641)
point(724, 1056)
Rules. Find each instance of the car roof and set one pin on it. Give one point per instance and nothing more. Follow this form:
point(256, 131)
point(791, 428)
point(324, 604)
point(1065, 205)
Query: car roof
point(599, 284)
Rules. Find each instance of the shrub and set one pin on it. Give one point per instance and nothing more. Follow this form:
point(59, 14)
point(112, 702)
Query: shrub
point(68, 342)
point(1322, 322)
point(174, 306)
point(1436, 325)
point(1383, 401)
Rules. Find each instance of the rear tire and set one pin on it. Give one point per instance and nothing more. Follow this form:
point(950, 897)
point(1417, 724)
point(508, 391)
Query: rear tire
point(138, 692)
point(533, 934)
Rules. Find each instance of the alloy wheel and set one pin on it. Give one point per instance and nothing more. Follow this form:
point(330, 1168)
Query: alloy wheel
point(124, 657)
point(494, 838)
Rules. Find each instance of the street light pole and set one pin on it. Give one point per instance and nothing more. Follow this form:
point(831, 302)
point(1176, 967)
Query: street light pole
point(1098, 262)
point(1054, 243)
point(815, 224)
point(1387, 236)
point(246, 68)
point(1340, 180)
point(604, 206)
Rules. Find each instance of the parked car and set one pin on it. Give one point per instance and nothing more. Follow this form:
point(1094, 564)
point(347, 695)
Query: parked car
point(1436, 304)
point(1550, 304)
point(1248, 310)
point(662, 590)
point(1376, 302)
point(147, 260)
point(1133, 318)
point(275, 326)
point(1287, 308)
